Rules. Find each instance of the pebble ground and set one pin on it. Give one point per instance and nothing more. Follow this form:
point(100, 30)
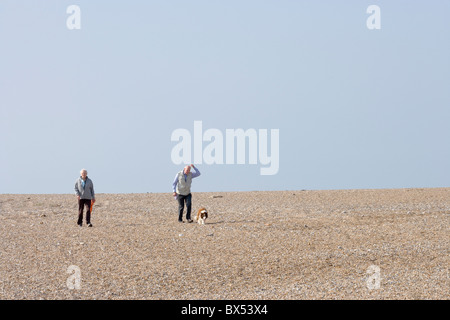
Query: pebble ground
point(342, 244)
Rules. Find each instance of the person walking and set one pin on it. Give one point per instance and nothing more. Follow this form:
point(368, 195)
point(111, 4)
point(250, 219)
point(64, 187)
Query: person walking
point(182, 191)
point(84, 189)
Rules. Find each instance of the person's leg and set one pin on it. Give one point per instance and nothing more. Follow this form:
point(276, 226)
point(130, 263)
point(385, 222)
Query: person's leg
point(88, 211)
point(188, 206)
point(180, 207)
point(80, 211)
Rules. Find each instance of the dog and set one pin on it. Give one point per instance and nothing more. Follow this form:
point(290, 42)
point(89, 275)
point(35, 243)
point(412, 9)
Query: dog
point(202, 215)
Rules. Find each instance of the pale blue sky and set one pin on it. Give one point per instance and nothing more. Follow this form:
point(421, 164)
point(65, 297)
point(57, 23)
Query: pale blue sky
point(355, 108)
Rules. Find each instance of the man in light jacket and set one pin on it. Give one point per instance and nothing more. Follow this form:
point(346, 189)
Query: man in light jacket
point(182, 190)
point(84, 189)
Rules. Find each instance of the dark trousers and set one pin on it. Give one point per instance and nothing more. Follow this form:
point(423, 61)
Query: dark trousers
point(181, 200)
point(81, 204)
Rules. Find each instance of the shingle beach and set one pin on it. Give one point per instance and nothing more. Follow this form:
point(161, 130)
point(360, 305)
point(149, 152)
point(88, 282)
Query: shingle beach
point(337, 244)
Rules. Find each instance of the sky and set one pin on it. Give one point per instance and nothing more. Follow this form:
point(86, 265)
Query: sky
point(105, 88)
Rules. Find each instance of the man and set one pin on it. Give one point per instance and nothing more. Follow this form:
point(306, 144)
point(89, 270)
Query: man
point(182, 191)
point(84, 189)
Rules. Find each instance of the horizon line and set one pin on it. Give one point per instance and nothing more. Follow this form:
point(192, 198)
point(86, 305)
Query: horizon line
point(243, 191)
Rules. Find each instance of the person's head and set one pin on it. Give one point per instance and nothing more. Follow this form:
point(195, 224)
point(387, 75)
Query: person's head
point(187, 169)
point(83, 173)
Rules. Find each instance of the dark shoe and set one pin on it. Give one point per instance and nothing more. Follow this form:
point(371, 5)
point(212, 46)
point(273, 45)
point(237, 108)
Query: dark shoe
point(190, 221)
point(89, 225)
point(181, 221)
point(80, 224)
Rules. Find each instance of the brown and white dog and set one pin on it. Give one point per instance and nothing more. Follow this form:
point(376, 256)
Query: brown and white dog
point(202, 215)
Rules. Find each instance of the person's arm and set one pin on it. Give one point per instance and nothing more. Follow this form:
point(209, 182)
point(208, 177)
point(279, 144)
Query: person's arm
point(77, 192)
point(174, 184)
point(196, 173)
point(92, 191)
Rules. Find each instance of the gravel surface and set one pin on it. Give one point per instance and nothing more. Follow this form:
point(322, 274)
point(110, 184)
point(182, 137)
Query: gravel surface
point(343, 244)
